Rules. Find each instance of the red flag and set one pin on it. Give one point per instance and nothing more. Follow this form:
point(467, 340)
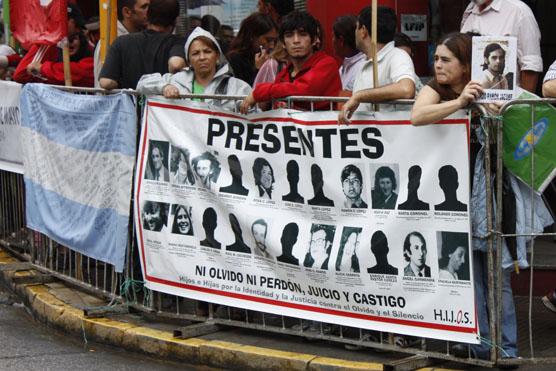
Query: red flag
point(38, 21)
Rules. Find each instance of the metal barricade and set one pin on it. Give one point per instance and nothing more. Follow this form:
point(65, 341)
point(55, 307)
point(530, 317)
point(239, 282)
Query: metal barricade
point(530, 357)
point(126, 288)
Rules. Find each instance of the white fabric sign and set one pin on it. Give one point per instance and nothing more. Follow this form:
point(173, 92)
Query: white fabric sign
point(10, 121)
point(414, 26)
point(286, 212)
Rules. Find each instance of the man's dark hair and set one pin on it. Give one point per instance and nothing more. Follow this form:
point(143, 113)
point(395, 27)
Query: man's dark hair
point(328, 230)
point(163, 12)
point(407, 244)
point(211, 24)
point(282, 7)
point(299, 21)
point(352, 169)
point(124, 3)
point(492, 47)
point(75, 13)
point(386, 23)
point(401, 39)
point(344, 27)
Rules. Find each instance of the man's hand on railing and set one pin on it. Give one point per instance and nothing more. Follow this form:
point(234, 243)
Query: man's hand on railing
point(247, 104)
point(347, 111)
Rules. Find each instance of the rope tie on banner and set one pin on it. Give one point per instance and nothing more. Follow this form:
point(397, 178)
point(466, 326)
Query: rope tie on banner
point(141, 99)
point(130, 287)
point(490, 344)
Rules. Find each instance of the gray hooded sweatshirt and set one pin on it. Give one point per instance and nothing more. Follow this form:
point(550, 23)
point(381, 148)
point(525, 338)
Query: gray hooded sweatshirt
point(222, 83)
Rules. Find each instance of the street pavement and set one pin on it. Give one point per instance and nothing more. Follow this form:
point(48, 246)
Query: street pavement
point(28, 345)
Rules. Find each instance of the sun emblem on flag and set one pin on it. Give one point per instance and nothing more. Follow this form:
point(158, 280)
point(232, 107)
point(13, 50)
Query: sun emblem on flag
point(530, 139)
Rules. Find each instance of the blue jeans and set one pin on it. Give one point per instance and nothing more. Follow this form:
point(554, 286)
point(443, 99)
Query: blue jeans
point(508, 322)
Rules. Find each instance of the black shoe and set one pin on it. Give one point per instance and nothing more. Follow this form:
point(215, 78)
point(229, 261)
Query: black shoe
point(508, 366)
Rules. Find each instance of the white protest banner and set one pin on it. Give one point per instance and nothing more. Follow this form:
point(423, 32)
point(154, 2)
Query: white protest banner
point(10, 148)
point(286, 212)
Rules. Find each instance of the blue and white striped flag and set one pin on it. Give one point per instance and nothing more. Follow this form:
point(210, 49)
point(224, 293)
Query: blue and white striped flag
point(78, 155)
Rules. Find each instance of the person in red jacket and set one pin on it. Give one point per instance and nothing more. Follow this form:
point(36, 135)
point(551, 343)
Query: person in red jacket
point(309, 72)
point(49, 68)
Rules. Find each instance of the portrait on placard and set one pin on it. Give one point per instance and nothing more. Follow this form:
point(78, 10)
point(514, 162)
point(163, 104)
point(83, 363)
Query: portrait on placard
point(348, 258)
point(494, 66)
point(453, 255)
point(182, 222)
point(385, 186)
point(157, 162)
point(206, 168)
point(320, 246)
point(181, 171)
point(155, 215)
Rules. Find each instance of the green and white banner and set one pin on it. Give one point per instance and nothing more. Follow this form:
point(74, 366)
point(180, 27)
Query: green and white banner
point(530, 142)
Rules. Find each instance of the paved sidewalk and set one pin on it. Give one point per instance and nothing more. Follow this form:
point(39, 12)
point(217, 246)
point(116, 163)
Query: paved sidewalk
point(61, 307)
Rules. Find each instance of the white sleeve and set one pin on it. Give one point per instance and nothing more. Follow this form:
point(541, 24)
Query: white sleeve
point(153, 83)
point(401, 67)
point(529, 43)
point(551, 73)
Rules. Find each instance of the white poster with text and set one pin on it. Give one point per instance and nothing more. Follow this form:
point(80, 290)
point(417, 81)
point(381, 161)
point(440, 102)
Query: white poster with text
point(286, 212)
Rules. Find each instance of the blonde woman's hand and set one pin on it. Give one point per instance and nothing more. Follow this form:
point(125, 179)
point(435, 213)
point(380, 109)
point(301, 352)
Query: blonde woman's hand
point(170, 91)
point(471, 92)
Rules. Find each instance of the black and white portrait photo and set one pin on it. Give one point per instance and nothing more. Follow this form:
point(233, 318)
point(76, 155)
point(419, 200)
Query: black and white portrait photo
point(413, 182)
point(380, 250)
point(207, 170)
point(320, 245)
point(182, 223)
point(157, 163)
point(155, 216)
point(415, 254)
point(236, 187)
point(347, 260)
point(264, 178)
point(494, 76)
point(453, 256)
point(449, 183)
point(180, 168)
point(259, 229)
point(352, 186)
point(384, 195)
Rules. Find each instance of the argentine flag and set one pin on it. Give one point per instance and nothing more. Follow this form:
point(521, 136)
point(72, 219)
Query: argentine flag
point(78, 156)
